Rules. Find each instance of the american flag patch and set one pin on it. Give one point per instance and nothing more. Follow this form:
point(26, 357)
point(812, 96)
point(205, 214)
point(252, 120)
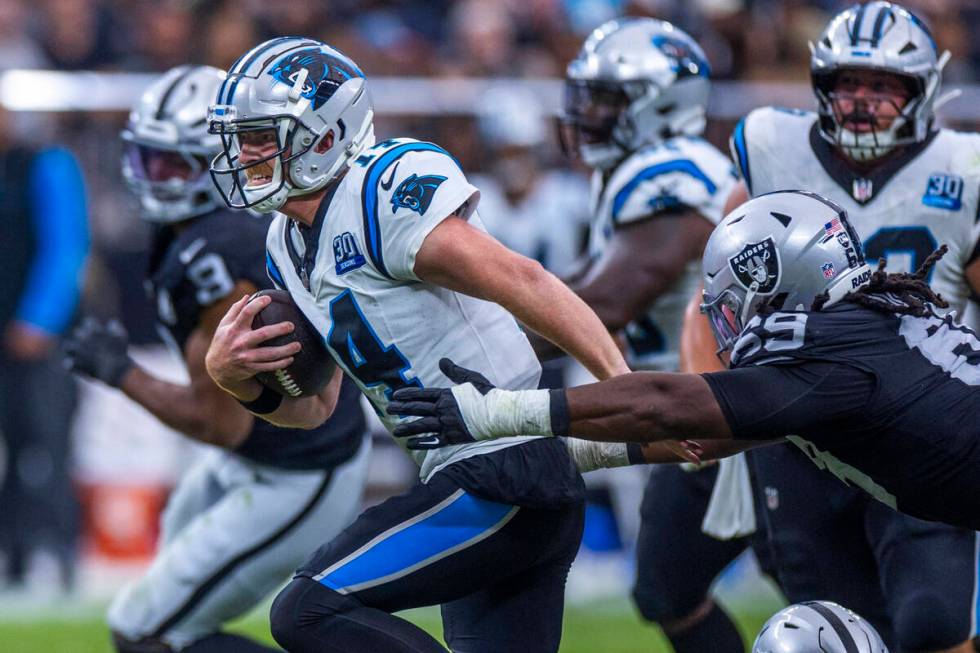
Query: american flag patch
point(831, 228)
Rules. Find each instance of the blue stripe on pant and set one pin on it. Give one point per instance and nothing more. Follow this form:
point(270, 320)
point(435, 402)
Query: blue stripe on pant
point(457, 522)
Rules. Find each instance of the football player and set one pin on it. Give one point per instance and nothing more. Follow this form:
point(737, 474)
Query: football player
point(857, 369)
point(251, 509)
point(382, 249)
point(874, 148)
point(635, 102)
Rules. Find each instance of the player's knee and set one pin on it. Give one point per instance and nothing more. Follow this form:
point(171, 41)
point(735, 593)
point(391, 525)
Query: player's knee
point(657, 604)
point(924, 622)
point(302, 606)
point(123, 644)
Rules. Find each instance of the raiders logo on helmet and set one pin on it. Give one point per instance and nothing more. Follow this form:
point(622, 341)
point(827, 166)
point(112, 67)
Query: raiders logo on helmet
point(756, 267)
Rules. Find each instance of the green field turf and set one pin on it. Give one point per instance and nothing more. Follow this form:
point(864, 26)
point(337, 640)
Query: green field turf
point(601, 628)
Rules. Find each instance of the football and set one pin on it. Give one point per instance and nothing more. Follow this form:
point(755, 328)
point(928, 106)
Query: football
point(312, 366)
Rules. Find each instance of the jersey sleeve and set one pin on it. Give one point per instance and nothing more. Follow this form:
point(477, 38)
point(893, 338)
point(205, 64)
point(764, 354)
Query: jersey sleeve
point(694, 176)
point(756, 139)
point(773, 401)
point(412, 194)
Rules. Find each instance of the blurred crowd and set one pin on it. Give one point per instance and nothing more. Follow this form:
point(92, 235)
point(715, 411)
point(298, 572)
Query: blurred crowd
point(744, 40)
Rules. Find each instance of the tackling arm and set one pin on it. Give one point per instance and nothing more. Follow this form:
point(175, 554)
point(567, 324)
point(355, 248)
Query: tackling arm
point(460, 257)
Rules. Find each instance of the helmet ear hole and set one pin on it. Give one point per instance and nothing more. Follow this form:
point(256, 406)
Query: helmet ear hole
point(325, 143)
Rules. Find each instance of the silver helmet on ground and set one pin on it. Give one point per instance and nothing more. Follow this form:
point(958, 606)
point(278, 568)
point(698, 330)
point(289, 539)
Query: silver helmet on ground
point(785, 250)
point(167, 147)
point(884, 37)
point(635, 82)
point(308, 107)
point(818, 627)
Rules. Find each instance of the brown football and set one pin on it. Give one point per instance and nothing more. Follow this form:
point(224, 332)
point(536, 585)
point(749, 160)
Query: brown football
point(312, 366)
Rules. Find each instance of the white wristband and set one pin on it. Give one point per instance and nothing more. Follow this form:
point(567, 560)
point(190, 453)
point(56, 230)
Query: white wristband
point(589, 456)
point(502, 413)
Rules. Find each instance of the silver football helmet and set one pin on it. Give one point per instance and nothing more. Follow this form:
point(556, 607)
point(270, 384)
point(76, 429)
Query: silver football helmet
point(818, 627)
point(635, 82)
point(167, 147)
point(878, 36)
point(306, 110)
point(784, 249)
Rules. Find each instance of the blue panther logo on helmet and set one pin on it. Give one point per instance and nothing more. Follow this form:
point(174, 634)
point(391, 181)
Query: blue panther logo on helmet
point(415, 193)
point(685, 58)
point(325, 73)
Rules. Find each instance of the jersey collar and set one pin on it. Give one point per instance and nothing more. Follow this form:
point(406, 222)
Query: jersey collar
point(305, 262)
point(863, 187)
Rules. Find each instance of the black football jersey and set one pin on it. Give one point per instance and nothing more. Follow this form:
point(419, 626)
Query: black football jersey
point(198, 263)
point(885, 402)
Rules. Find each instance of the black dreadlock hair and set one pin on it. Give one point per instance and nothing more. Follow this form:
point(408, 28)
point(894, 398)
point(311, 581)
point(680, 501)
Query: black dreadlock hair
point(903, 293)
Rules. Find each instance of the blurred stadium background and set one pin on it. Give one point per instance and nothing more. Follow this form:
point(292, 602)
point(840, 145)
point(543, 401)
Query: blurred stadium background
point(478, 77)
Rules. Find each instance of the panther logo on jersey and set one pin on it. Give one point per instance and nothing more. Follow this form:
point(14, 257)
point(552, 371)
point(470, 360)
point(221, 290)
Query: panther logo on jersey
point(415, 193)
point(324, 73)
point(756, 267)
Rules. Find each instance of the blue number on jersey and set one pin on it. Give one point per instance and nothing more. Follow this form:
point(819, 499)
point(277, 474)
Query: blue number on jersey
point(362, 352)
point(944, 192)
point(914, 243)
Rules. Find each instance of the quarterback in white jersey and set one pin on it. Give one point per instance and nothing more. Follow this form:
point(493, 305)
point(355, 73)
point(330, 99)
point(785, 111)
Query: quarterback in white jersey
point(364, 292)
point(908, 187)
point(383, 252)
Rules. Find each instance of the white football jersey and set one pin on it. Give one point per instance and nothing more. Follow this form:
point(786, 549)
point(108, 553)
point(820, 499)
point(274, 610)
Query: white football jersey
point(385, 327)
point(904, 210)
point(680, 173)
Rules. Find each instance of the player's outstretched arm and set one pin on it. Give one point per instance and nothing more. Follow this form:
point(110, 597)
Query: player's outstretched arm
point(460, 257)
point(636, 407)
point(236, 355)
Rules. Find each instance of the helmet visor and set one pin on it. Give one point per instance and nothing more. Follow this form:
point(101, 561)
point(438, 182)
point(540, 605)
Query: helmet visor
point(723, 316)
point(156, 165)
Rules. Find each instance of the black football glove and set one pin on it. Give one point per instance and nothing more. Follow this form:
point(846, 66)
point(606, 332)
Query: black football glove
point(98, 350)
point(441, 423)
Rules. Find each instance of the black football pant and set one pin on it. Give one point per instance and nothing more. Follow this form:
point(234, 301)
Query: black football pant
point(38, 507)
point(915, 581)
point(498, 570)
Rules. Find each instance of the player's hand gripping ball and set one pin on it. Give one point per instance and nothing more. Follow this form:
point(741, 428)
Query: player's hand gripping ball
point(312, 366)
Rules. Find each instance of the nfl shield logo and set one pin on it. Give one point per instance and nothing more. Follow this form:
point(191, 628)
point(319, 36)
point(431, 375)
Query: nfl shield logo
point(772, 498)
point(756, 267)
point(862, 190)
point(828, 270)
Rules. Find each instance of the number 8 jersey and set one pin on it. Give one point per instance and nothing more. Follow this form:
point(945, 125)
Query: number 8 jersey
point(904, 208)
point(352, 274)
